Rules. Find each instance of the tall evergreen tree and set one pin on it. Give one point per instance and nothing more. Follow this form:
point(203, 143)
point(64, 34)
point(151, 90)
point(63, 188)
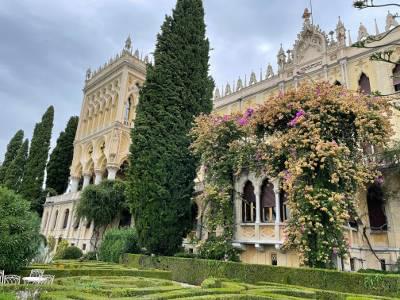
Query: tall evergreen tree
point(32, 182)
point(12, 150)
point(15, 171)
point(177, 89)
point(61, 158)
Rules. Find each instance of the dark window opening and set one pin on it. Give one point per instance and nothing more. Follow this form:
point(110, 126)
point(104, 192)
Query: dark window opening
point(376, 209)
point(88, 224)
point(66, 216)
point(274, 259)
point(76, 224)
point(285, 212)
point(125, 219)
point(337, 82)
point(352, 264)
point(268, 213)
point(55, 220)
point(364, 84)
point(83, 246)
point(396, 78)
point(195, 213)
point(248, 203)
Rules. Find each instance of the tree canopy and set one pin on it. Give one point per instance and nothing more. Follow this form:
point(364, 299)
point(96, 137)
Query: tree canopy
point(162, 169)
point(12, 150)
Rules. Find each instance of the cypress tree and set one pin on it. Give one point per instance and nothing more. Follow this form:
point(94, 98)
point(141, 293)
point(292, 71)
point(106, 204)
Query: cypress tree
point(162, 169)
point(32, 182)
point(15, 172)
point(61, 158)
point(12, 150)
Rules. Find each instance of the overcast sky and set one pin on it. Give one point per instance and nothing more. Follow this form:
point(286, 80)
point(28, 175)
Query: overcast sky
point(47, 45)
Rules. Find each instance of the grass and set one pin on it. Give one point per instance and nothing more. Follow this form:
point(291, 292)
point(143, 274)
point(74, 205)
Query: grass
point(113, 281)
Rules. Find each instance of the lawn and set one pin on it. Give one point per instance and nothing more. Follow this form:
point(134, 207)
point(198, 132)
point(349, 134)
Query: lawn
point(112, 281)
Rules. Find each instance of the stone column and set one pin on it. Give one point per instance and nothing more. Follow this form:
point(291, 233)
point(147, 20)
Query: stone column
point(99, 176)
point(74, 184)
point(86, 180)
point(277, 210)
point(257, 191)
point(112, 172)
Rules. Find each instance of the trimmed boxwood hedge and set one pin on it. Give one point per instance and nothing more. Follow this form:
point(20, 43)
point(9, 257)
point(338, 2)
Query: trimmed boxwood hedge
point(194, 271)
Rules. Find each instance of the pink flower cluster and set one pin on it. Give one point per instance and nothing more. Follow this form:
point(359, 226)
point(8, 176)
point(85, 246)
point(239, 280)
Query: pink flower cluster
point(296, 119)
point(246, 116)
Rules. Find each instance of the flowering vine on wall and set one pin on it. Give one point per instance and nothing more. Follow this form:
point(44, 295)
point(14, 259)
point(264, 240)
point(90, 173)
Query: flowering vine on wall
point(310, 138)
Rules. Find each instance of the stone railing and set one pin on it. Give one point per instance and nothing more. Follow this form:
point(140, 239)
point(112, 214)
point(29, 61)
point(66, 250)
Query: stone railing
point(63, 198)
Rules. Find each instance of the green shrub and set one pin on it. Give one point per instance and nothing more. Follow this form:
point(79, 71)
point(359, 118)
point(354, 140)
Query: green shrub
point(117, 242)
point(92, 255)
point(211, 283)
point(217, 248)
point(185, 255)
point(194, 271)
point(72, 252)
point(62, 245)
point(19, 232)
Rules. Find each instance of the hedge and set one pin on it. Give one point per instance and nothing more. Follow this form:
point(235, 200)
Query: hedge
point(116, 242)
point(194, 271)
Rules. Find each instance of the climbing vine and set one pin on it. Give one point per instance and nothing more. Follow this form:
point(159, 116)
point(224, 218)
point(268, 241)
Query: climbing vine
point(311, 138)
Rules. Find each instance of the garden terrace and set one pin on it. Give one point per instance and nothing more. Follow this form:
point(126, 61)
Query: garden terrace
point(113, 281)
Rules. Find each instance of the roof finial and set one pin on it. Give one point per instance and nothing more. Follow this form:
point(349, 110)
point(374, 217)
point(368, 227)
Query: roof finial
point(128, 44)
point(376, 28)
point(350, 42)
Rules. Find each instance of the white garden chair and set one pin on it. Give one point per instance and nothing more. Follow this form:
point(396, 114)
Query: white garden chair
point(1, 276)
point(36, 273)
point(11, 279)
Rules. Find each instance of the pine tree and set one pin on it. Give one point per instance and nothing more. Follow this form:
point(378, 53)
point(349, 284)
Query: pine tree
point(177, 89)
point(12, 150)
point(32, 182)
point(61, 158)
point(15, 171)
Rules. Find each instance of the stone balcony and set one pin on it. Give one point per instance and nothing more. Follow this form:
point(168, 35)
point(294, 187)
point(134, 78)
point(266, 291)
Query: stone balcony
point(61, 199)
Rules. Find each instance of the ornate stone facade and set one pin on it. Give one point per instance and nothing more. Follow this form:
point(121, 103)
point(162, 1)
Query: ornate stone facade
point(102, 141)
point(258, 227)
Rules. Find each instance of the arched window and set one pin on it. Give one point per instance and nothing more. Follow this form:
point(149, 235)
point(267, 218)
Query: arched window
point(285, 212)
point(55, 220)
point(376, 210)
point(66, 216)
point(268, 212)
point(248, 203)
point(396, 78)
point(364, 84)
point(76, 223)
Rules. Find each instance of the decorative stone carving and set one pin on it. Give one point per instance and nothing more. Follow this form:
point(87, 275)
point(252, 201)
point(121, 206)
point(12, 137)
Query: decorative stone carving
point(341, 33)
point(88, 74)
point(239, 84)
point(228, 89)
point(390, 21)
point(217, 94)
point(270, 71)
point(253, 78)
point(362, 32)
point(281, 59)
point(128, 44)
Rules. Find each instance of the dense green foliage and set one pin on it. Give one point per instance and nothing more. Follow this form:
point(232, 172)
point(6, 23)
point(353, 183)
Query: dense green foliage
point(19, 231)
point(15, 172)
point(61, 247)
point(217, 248)
point(72, 252)
point(32, 182)
point(61, 158)
point(117, 242)
point(102, 204)
point(194, 271)
point(12, 150)
point(162, 169)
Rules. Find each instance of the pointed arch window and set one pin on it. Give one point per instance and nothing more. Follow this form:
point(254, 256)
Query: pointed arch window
point(364, 84)
point(248, 203)
point(396, 78)
point(268, 212)
point(66, 216)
